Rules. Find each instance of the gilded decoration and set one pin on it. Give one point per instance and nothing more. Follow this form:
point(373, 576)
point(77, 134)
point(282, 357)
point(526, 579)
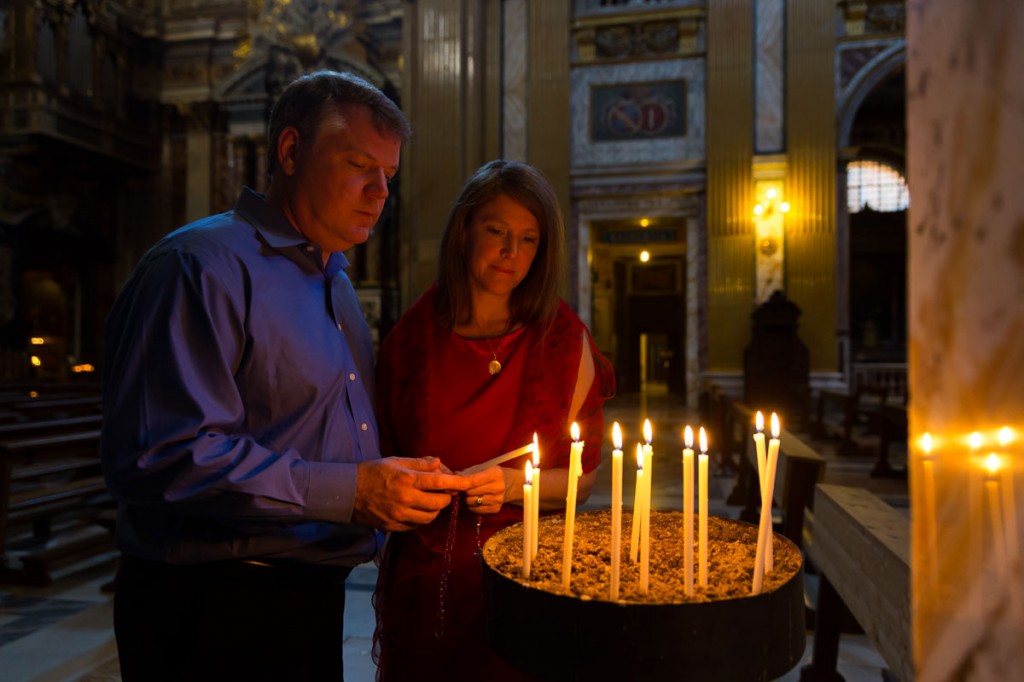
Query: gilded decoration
point(662, 36)
point(872, 17)
point(637, 40)
point(305, 29)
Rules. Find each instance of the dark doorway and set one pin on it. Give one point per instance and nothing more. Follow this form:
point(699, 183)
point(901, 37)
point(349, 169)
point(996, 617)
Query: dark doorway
point(650, 301)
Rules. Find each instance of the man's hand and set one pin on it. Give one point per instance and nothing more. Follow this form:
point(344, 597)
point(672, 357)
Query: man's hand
point(401, 493)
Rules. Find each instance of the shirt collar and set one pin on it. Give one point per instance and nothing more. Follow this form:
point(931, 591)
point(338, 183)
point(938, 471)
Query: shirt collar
point(275, 228)
point(268, 220)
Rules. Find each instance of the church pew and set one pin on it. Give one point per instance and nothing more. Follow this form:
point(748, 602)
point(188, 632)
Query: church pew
point(55, 408)
point(42, 427)
point(850, 417)
point(53, 485)
point(861, 547)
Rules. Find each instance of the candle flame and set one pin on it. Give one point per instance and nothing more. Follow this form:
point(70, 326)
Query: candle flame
point(926, 444)
point(639, 457)
point(703, 441)
point(648, 434)
point(575, 431)
point(688, 437)
point(1005, 436)
point(776, 427)
point(529, 472)
point(759, 421)
point(617, 436)
point(536, 450)
point(993, 463)
point(975, 440)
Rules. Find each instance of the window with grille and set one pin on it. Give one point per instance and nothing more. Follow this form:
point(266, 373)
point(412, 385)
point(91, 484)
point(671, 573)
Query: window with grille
point(875, 185)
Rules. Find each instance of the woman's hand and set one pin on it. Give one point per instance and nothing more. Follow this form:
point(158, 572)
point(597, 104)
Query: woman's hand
point(487, 490)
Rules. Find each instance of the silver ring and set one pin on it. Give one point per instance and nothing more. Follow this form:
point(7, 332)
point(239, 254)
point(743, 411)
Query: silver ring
point(479, 500)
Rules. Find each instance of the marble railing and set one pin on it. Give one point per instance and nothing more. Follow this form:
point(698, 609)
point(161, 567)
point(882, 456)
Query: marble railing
point(892, 376)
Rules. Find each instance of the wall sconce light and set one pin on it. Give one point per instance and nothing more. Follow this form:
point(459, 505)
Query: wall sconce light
point(644, 222)
point(772, 203)
point(767, 214)
point(645, 256)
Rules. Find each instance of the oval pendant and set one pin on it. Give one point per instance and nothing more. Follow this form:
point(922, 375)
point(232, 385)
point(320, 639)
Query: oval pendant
point(494, 367)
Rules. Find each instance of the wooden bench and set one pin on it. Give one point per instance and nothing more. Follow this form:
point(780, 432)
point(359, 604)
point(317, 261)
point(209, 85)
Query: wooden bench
point(46, 480)
point(891, 424)
point(43, 407)
point(42, 427)
point(846, 416)
point(861, 547)
point(800, 467)
point(716, 416)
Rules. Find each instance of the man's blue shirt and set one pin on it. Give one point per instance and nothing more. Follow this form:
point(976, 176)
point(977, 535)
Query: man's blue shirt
point(238, 382)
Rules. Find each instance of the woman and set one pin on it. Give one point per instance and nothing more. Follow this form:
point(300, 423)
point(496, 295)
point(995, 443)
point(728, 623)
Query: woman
point(481, 361)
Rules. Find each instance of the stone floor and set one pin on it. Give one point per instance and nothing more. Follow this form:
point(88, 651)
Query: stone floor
point(63, 633)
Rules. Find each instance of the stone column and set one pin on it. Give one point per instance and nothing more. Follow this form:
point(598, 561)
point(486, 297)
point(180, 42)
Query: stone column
point(966, 322)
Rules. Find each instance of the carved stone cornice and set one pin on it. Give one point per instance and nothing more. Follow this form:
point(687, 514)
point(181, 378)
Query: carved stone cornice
point(661, 34)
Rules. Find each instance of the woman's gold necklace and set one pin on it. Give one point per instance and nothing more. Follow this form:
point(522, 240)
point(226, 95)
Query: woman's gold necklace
point(494, 366)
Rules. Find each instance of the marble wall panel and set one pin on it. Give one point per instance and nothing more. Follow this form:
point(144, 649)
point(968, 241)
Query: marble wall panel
point(586, 153)
point(769, 77)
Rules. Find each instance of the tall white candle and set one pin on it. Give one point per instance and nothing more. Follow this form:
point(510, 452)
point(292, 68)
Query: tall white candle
point(1005, 438)
point(575, 465)
point(688, 510)
point(527, 519)
point(771, 465)
point(536, 496)
point(638, 506)
point(764, 529)
point(759, 448)
point(616, 509)
point(702, 509)
point(993, 464)
point(648, 464)
point(928, 466)
point(645, 541)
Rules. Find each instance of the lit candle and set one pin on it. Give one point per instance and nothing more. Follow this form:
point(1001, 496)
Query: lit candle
point(992, 464)
point(527, 519)
point(648, 453)
point(638, 506)
point(688, 511)
point(770, 465)
point(759, 448)
point(575, 463)
point(648, 476)
point(616, 509)
point(764, 529)
point(536, 496)
point(644, 542)
point(928, 489)
point(976, 502)
point(702, 508)
point(1005, 437)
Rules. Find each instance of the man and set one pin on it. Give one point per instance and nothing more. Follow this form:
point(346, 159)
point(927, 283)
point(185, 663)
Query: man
point(238, 433)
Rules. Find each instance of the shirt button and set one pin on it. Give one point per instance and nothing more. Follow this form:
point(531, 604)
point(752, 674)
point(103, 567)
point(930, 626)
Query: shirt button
point(352, 377)
point(309, 248)
point(339, 326)
point(363, 426)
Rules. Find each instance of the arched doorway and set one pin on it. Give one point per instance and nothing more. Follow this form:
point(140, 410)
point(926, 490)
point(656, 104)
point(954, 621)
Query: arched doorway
point(872, 228)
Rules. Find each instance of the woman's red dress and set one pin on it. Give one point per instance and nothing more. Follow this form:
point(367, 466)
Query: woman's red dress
point(437, 398)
